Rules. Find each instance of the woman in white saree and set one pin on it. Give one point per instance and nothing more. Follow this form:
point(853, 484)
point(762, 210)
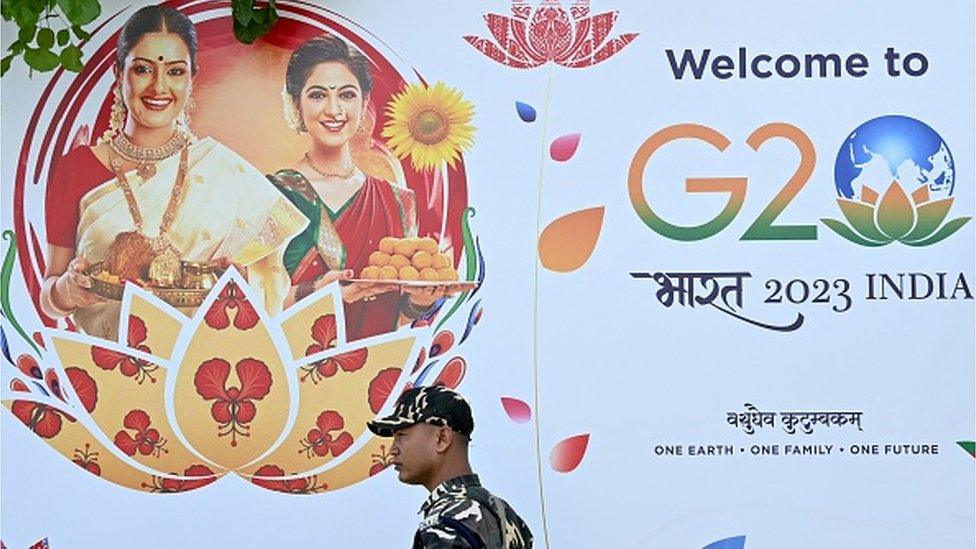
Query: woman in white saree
point(149, 186)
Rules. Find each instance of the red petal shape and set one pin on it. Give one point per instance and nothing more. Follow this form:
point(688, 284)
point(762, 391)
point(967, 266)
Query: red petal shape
point(49, 424)
point(420, 361)
point(255, 378)
point(442, 342)
point(126, 443)
point(563, 148)
point(341, 444)
point(136, 419)
point(353, 360)
point(23, 410)
point(211, 379)
point(28, 365)
point(246, 411)
point(567, 455)
point(38, 339)
point(329, 420)
point(452, 374)
point(19, 386)
point(517, 410)
point(84, 386)
point(381, 387)
point(128, 366)
point(324, 331)
point(106, 359)
point(53, 383)
point(220, 411)
point(217, 317)
point(137, 331)
point(247, 316)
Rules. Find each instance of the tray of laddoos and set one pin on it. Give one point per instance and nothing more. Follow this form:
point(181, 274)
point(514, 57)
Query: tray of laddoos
point(186, 287)
point(416, 262)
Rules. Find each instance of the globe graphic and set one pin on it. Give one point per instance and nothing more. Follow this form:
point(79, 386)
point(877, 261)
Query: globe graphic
point(894, 148)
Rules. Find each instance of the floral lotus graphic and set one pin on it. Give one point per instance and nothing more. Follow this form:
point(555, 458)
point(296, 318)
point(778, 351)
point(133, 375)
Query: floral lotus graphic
point(894, 153)
point(533, 37)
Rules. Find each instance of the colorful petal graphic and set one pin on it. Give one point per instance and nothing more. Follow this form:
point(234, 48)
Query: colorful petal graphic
point(969, 446)
point(518, 410)
point(567, 455)
point(525, 111)
point(563, 148)
point(452, 374)
point(737, 542)
point(567, 243)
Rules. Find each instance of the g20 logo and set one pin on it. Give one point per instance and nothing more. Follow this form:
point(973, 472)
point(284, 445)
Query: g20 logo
point(894, 176)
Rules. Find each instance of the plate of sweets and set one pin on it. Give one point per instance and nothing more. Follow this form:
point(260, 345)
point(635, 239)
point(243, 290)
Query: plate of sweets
point(415, 262)
point(177, 282)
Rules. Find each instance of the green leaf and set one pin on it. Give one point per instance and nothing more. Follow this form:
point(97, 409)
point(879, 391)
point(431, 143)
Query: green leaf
point(246, 33)
point(26, 34)
point(80, 12)
point(17, 47)
point(41, 60)
point(80, 33)
point(20, 11)
point(243, 11)
point(64, 36)
point(5, 64)
point(943, 233)
point(45, 39)
point(71, 58)
point(849, 234)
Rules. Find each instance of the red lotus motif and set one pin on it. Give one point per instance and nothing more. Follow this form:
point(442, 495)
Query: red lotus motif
point(231, 297)
point(130, 366)
point(233, 408)
point(146, 439)
point(299, 485)
point(88, 460)
point(533, 37)
point(172, 485)
point(320, 440)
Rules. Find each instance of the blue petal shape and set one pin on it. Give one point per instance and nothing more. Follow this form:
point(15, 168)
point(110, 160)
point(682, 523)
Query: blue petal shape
point(525, 111)
point(6, 347)
point(737, 542)
point(472, 320)
point(420, 379)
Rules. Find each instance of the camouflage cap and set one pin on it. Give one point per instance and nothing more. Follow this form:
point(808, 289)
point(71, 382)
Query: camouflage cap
point(434, 405)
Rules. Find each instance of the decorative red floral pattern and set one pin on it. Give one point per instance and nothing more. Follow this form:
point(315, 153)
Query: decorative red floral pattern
point(130, 366)
point(324, 334)
point(381, 388)
point(328, 367)
point(172, 485)
point(88, 460)
point(40, 418)
point(84, 386)
point(320, 440)
point(28, 365)
point(381, 461)
point(146, 440)
point(231, 297)
point(298, 485)
point(233, 408)
point(533, 37)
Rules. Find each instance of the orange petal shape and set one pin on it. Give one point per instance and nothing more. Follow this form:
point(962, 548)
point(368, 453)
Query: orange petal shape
point(453, 373)
point(563, 148)
point(567, 243)
point(896, 215)
point(567, 455)
point(517, 410)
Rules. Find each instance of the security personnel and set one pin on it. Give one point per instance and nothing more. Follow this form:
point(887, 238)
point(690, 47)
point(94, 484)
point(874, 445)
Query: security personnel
point(431, 428)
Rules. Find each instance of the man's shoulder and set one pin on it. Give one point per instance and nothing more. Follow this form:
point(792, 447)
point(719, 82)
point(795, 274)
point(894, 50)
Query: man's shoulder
point(475, 512)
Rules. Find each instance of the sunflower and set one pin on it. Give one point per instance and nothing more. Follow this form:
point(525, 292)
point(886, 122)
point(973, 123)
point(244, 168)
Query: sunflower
point(430, 124)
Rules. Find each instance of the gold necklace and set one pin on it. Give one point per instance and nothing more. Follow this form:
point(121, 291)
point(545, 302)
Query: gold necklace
point(146, 157)
point(164, 267)
point(328, 175)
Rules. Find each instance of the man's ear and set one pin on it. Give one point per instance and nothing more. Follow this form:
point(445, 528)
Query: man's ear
point(445, 438)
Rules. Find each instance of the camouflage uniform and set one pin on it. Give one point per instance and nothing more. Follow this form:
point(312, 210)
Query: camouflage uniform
point(460, 511)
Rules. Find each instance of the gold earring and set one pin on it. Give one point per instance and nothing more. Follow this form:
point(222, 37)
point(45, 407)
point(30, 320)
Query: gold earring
point(116, 120)
point(293, 119)
point(183, 120)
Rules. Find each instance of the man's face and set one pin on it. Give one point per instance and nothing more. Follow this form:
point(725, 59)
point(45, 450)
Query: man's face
point(415, 455)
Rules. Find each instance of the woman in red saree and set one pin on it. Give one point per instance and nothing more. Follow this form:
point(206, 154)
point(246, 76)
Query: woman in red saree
point(327, 87)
